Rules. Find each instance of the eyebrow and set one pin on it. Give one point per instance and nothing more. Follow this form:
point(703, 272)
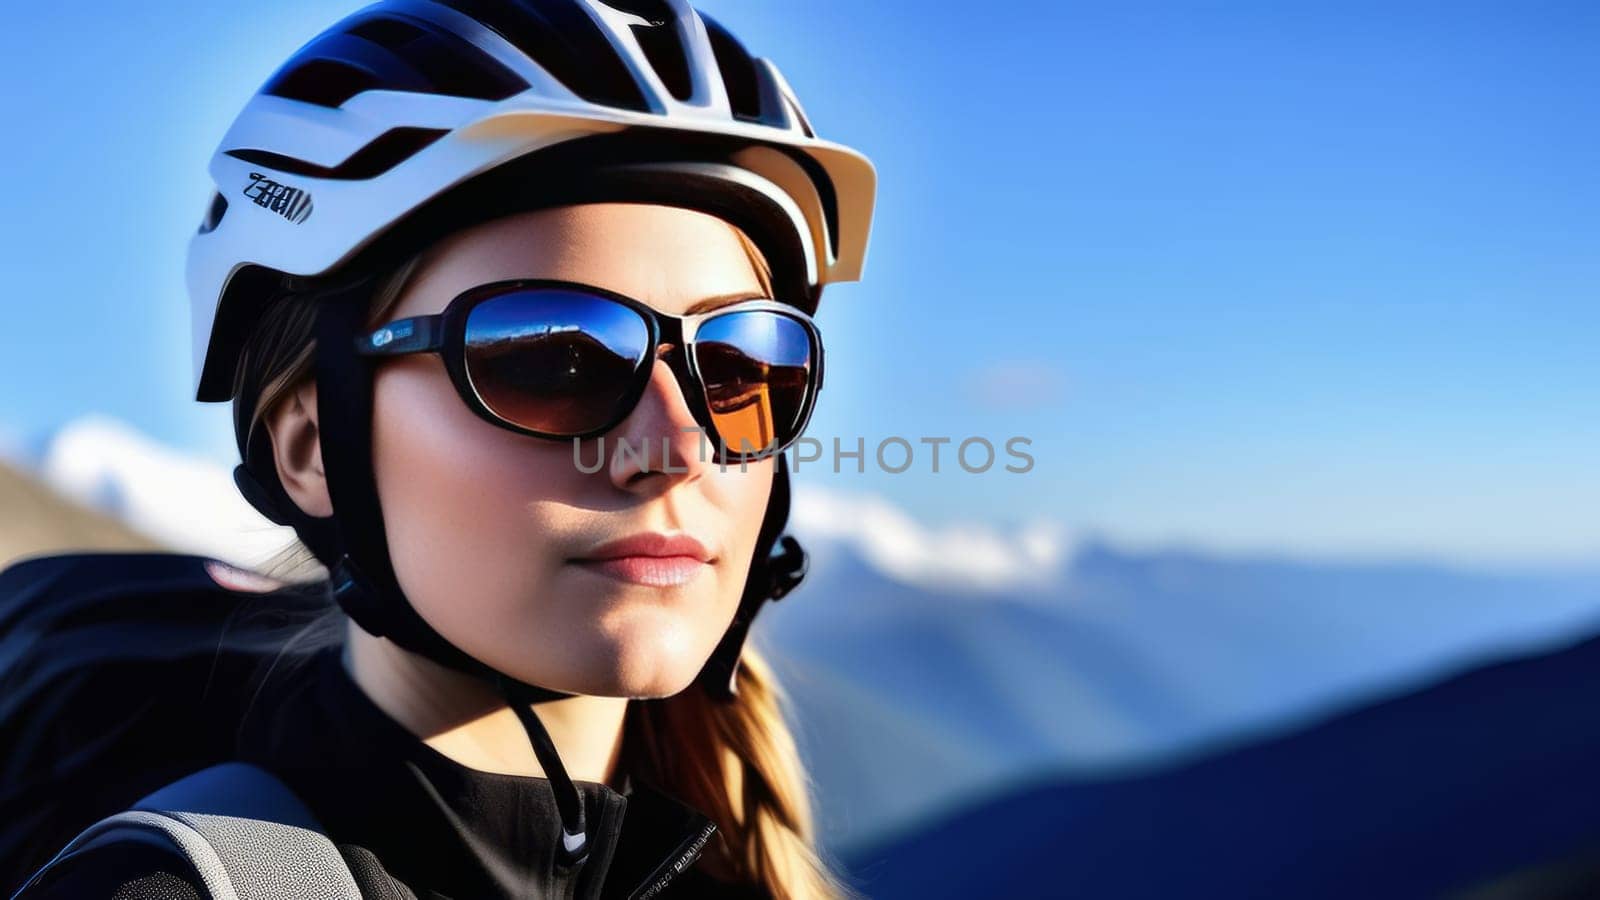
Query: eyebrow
point(711, 303)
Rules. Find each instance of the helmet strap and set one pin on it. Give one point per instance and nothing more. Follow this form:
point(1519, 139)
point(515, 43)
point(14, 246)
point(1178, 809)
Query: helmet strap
point(363, 577)
point(779, 565)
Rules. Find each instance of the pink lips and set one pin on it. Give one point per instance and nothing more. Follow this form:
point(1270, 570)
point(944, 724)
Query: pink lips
point(651, 558)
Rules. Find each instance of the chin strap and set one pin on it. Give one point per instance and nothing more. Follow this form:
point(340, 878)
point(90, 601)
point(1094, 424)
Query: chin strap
point(363, 578)
point(574, 830)
point(780, 565)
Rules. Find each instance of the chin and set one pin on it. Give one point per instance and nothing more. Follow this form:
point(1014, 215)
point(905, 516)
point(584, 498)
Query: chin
point(654, 688)
point(636, 680)
point(649, 659)
point(653, 667)
point(653, 651)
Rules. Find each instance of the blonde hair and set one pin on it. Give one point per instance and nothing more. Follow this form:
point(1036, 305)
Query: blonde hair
point(737, 762)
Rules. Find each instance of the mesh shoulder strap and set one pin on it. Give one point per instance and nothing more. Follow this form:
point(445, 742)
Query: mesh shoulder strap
point(246, 834)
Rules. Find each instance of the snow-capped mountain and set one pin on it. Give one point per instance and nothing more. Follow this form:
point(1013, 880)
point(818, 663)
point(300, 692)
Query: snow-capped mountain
point(35, 519)
point(183, 501)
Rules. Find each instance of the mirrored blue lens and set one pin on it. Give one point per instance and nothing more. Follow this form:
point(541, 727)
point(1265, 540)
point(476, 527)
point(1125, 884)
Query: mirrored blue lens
point(554, 361)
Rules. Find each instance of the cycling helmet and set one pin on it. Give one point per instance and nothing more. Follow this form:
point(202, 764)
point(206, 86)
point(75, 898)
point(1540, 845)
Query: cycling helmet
point(406, 99)
point(411, 118)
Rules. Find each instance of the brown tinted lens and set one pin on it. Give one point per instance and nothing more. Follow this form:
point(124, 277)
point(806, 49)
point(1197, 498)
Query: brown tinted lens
point(757, 368)
point(554, 361)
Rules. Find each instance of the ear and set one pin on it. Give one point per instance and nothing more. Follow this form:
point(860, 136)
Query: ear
point(297, 450)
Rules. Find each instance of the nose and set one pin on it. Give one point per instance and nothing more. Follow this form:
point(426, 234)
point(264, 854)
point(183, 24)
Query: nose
point(659, 444)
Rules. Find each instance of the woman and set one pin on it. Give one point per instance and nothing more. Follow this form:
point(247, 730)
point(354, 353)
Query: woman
point(512, 302)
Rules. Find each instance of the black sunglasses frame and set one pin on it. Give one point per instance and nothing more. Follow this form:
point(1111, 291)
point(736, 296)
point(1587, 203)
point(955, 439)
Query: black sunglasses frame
point(445, 333)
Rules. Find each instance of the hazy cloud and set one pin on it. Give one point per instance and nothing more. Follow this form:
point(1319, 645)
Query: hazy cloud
point(1018, 385)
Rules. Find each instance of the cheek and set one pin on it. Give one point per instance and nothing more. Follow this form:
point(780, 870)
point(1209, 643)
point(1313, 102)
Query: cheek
point(460, 498)
point(743, 498)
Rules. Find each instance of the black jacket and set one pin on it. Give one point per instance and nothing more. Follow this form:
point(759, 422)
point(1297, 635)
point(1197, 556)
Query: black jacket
point(122, 672)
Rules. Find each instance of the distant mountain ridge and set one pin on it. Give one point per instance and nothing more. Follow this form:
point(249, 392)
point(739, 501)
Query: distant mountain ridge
point(187, 503)
point(1481, 784)
point(934, 667)
point(1133, 662)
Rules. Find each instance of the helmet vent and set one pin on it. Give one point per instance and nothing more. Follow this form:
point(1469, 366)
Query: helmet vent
point(658, 38)
point(214, 214)
point(325, 82)
point(388, 150)
point(388, 33)
point(661, 46)
point(738, 72)
point(565, 41)
point(386, 52)
point(447, 63)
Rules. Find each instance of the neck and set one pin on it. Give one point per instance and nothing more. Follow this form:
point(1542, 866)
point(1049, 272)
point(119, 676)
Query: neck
point(465, 719)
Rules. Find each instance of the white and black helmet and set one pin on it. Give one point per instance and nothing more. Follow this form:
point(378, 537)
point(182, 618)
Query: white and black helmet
point(406, 99)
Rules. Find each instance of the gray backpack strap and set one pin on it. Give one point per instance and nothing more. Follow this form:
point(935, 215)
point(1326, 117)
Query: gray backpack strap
point(246, 834)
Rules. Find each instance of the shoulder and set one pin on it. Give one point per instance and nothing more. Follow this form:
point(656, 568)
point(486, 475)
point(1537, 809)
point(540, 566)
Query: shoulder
point(124, 870)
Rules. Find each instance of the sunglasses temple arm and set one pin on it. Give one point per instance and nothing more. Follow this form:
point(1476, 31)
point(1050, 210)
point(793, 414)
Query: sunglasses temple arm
point(418, 334)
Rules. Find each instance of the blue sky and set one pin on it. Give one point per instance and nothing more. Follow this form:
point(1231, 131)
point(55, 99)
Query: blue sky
point(1310, 278)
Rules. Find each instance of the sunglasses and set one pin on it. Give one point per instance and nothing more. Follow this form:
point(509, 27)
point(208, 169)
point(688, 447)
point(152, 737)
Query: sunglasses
point(562, 360)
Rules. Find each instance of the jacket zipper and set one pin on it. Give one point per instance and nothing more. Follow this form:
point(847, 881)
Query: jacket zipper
point(684, 856)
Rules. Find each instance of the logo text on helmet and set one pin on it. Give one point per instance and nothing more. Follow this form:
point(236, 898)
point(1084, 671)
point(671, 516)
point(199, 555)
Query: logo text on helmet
point(293, 204)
